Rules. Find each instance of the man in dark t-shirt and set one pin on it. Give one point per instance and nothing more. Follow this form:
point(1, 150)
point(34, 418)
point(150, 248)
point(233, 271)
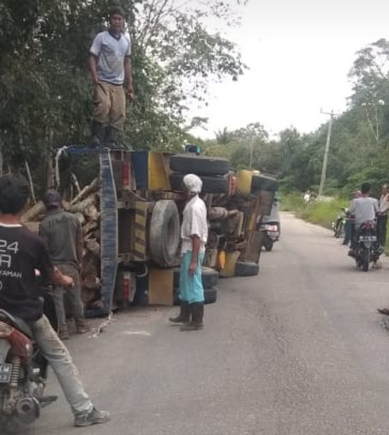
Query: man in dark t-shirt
point(20, 254)
point(62, 234)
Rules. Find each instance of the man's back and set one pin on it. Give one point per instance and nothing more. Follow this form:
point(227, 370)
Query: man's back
point(59, 231)
point(364, 209)
point(20, 253)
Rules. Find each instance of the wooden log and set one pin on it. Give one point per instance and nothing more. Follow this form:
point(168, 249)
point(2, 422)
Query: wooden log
point(89, 229)
point(33, 212)
point(93, 246)
point(91, 212)
point(86, 191)
point(97, 234)
point(88, 296)
point(92, 282)
point(74, 183)
point(81, 206)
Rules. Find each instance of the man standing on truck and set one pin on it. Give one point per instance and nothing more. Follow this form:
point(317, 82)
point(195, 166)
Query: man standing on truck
point(22, 253)
point(62, 234)
point(110, 68)
point(194, 235)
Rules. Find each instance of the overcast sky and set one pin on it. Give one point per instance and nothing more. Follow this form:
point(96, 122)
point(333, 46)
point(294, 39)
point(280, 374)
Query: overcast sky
point(299, 53)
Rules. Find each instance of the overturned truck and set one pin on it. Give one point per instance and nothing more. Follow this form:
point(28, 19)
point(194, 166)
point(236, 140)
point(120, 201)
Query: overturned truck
point(131, 214)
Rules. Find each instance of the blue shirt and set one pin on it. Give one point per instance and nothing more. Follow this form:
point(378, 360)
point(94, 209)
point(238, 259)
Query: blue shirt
point(111, 53)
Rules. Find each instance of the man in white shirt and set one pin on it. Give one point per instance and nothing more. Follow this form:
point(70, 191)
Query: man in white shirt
point(110, 68)
point(382, 220)
point(194, 235)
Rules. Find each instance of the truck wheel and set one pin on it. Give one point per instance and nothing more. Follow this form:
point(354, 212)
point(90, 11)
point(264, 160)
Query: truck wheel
point(210, 296)
point(188, 164)
point(260, 182)
point(164, 236)
point(210, 277)
point(216, 184)
point(246, 268)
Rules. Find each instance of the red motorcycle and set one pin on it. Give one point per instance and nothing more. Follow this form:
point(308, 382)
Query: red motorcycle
point(23, 370)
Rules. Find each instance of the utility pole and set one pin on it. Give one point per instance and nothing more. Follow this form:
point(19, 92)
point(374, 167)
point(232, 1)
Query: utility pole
point(251, 152)
point(325, 159)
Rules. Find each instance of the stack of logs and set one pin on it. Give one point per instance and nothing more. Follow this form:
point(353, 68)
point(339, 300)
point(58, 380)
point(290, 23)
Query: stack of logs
point(85, 205)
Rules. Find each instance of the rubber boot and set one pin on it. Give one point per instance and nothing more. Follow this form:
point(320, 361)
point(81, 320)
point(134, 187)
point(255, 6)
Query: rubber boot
point(184, 316)
point(112, 137)
point(197, 311)
point(97, 130)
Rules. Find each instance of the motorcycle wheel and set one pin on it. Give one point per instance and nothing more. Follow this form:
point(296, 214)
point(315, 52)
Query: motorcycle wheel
point(268, 244)
point(365, 259)
point(339, 230)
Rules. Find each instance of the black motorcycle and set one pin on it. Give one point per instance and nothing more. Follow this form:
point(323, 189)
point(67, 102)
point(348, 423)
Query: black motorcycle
point(365, 247)
point(23, 370)
point(339, 225)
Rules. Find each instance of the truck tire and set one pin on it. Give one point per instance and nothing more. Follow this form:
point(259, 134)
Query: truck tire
point(199, 165)
point(216, 184)
point(210, 277)
point(246, 268)
point(260, 182)
point(164, 236)
point(210, 296)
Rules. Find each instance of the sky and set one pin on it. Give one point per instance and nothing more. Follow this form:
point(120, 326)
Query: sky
point(299, 53)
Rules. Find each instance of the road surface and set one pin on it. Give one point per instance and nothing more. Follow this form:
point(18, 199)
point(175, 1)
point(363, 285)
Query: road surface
point(299, 350)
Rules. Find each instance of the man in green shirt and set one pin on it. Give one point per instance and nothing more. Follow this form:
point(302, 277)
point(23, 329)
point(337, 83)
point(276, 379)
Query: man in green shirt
point(62, 234)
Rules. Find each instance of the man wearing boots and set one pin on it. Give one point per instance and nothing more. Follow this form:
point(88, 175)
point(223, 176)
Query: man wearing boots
point(194, 234)
point(62, 234)
point(110, 68)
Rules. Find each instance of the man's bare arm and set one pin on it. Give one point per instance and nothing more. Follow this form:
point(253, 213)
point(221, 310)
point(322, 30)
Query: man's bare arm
point(128, 75)
point(60, 279)
point(93, 69)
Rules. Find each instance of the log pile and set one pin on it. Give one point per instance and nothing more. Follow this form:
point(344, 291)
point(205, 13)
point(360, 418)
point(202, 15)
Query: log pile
point(85, 205)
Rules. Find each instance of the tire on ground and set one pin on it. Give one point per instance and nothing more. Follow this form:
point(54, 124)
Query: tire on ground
point(200, 165)
point(216, 184)
point(210, 296)
point(164, 236)
point(246, 268)
point(210, 277)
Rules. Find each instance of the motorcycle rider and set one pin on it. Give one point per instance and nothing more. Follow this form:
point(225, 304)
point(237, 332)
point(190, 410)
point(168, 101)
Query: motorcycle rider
point(349, 227)
point(363, 209)
point(21, 253)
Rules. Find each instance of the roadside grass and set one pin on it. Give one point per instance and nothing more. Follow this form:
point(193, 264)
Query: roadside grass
point(319, 212)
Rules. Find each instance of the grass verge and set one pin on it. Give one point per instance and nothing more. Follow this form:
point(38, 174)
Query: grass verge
point(319, 212)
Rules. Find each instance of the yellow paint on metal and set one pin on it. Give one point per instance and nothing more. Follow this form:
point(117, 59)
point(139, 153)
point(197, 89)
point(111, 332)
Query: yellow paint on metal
point(229, 269)
point(161, 286)
point(243, 181)
point(221, 260)
point(158, 173)
point(140, 242)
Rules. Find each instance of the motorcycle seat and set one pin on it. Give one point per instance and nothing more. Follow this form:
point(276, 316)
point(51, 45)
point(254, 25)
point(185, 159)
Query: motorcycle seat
point(16, 322)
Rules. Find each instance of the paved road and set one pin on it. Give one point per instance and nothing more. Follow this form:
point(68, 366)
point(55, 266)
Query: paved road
point(298, 350)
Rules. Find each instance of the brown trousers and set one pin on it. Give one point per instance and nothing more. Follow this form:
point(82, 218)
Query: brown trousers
point(110, 105)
